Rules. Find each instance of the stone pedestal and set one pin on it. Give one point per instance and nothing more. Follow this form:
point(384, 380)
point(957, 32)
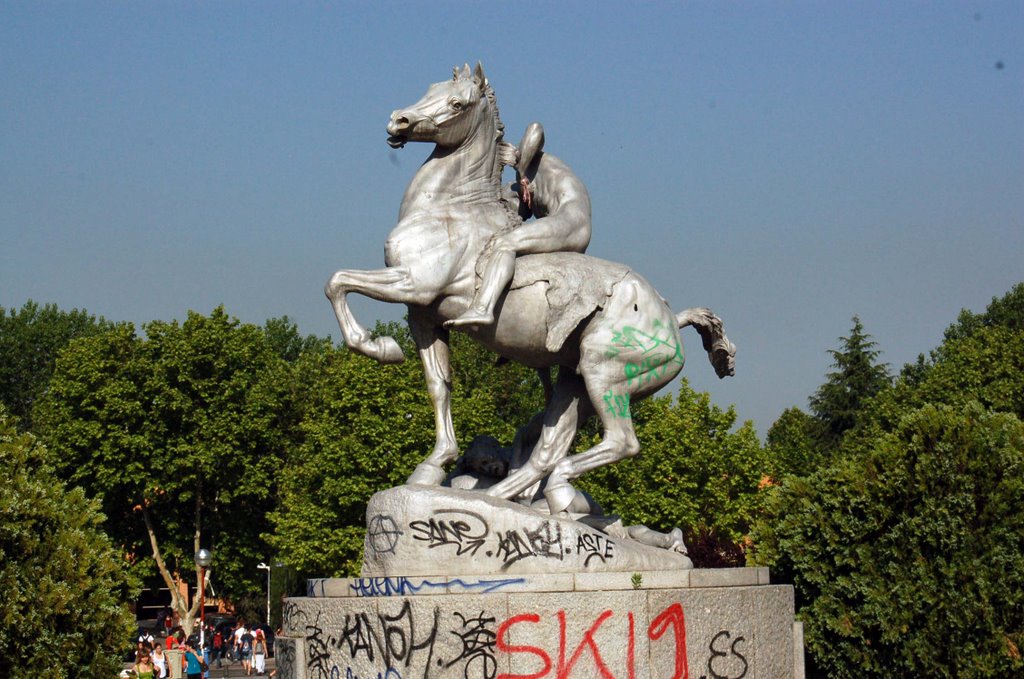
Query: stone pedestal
point(725, 623)
point(174, 670)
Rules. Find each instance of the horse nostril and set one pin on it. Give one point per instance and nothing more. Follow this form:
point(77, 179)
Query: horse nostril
point(398, 122)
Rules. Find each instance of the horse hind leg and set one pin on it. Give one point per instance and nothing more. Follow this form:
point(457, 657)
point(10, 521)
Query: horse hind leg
point(567, 408)
point(631, 353)
point(611, 395)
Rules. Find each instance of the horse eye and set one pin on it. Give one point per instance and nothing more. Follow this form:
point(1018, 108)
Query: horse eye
point(455, 104)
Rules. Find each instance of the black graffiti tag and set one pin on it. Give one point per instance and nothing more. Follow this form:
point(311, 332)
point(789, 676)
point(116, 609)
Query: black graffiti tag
point(317, 652)
point(285, 654)
point(726, 668)
point(464, 530)
point(392, 637)
point(382, 534)
point(595, 547)
point(544, 541)
point(291, 615)
point(477, 640)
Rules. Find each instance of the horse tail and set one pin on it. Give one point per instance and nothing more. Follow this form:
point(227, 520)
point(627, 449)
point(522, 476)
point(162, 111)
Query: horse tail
point(721, 352)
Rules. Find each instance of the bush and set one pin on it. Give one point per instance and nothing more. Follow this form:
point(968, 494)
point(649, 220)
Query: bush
point(62, 583)
point(907, 554)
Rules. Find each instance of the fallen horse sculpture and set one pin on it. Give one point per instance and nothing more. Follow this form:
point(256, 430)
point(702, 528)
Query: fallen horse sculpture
point(611, 335)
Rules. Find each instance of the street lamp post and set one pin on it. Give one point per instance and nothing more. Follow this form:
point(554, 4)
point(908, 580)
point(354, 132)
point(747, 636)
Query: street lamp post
point(264, 567)
point(204, 558)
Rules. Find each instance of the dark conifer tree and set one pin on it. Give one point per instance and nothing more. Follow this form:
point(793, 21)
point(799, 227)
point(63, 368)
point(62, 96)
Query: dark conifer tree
point(856, 377)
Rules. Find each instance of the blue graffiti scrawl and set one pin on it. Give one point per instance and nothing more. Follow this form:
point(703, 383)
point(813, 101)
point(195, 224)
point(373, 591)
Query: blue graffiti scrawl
point(403, 586)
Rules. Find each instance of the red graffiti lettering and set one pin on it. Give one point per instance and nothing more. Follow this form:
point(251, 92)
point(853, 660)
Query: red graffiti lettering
point(670, 618)
point(673, 616)
point(503, 646)
point(588, 640)
point(631, 648)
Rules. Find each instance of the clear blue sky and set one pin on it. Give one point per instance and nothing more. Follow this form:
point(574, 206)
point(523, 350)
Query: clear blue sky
point(789, 164)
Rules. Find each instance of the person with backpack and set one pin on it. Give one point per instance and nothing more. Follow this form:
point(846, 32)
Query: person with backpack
point(218, 647)
point(259, 653)
point(245, 642)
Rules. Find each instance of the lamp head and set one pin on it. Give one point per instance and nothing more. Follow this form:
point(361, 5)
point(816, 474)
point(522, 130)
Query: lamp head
point(204, 558)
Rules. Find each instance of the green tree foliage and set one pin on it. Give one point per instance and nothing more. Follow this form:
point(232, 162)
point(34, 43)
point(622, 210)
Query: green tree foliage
point(30, 339)
point(907, 549)
point(982, 359)
point(284, 338)
point(908, 553)
point(364, 427)
point(62, 583)
point(793, 442)
point(856, 377)
point(362, 430)
point(1003, 312)
point(503, 395)
point(181, 435)
point(693, 471)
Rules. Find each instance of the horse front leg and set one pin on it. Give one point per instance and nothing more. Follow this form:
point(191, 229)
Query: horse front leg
point(432, 344)
point(391, 284)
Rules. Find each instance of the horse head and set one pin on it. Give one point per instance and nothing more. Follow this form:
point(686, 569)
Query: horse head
point(450, 113)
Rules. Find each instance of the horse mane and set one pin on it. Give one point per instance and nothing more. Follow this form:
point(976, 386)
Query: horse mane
point(507, 154)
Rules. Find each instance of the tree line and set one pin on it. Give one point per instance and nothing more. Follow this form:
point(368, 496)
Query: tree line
point(893, 506)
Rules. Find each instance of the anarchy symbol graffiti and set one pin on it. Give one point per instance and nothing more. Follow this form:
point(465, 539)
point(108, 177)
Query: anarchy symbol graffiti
point(382, 534)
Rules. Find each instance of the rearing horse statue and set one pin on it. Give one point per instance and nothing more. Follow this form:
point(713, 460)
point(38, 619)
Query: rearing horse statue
point(613, 337)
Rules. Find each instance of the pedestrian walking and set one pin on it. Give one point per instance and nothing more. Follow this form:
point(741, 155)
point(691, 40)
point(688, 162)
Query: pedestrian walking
point(259, 653)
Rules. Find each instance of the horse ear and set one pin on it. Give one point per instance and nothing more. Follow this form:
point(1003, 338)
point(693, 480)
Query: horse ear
point(478, 73)
point(466, 72)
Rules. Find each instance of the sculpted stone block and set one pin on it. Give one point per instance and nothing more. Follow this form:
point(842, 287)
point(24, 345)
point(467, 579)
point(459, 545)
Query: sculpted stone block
point(425, 531)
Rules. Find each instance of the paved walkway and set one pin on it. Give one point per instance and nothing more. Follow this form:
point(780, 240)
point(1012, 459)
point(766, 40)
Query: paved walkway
point(235, 670)
point(229, 670)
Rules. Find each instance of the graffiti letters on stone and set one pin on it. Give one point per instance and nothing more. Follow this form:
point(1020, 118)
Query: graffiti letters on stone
point(403, 586)
point(466, 531)
point(393, 640)
point(318, 654)
point(284, 652)
point(595, 546)
point(419, 642)
point(291, 615)
point(656, 351)
point(476, 638)
point(544, 541)
point(726, 661)
point(382, 534)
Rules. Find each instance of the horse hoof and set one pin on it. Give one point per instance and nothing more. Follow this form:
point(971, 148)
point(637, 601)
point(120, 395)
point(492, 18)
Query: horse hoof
point(426, 474)
point(559, 498)
point(387, 351)
point(470, 318)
